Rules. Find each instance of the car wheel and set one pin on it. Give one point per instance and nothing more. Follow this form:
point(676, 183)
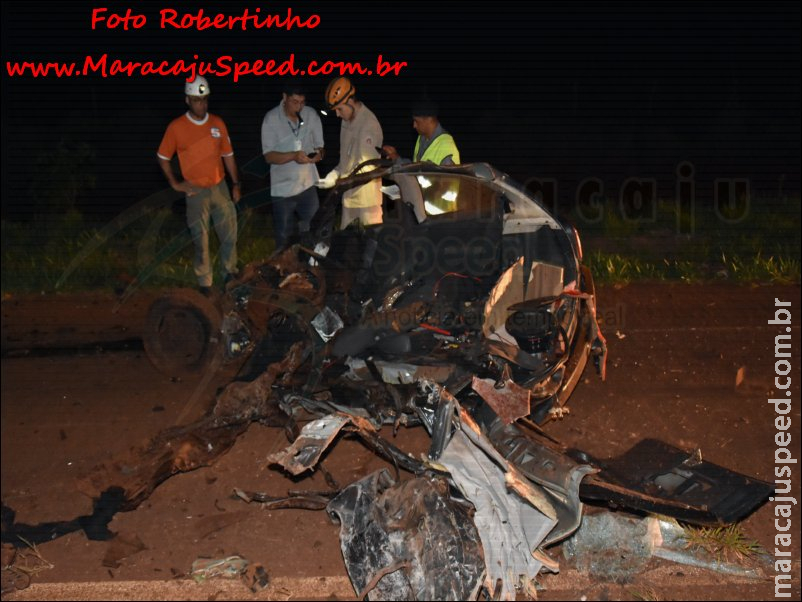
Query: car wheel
point(182, 332)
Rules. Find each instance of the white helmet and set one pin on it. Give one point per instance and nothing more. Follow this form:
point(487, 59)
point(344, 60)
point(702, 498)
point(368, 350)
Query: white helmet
point(197, 87)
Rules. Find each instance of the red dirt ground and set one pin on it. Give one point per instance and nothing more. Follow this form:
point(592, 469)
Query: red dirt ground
point(675, 353)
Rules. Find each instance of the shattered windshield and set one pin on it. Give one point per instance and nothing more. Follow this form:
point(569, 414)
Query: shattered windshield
point(433, 194)
point(446, 193)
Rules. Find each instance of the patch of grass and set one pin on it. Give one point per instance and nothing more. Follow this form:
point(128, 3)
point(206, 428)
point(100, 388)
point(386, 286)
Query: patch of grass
point(156, 250)
point(40, 254)
point(783, 270)
point(27, 562)
point(725, 544)
point(623, 268)
point(757, 242)
point(647, 594)
point(615, 267)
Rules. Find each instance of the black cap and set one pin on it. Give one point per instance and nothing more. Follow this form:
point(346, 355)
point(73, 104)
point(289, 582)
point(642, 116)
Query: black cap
point(424, 108)
point(293, 86)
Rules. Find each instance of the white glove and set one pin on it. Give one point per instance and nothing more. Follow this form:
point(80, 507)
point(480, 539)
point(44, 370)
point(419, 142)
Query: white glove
point(329, 181)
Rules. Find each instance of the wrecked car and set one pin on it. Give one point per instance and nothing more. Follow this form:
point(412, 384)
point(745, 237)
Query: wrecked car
point(468, 289)
point(467, 311)
point(467, 276)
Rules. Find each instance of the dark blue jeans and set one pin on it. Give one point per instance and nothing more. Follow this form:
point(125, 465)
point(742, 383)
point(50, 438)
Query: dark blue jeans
point(304, 205)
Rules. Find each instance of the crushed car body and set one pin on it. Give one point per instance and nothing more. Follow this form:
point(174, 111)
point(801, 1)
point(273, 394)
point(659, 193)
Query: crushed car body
point(466, 277)
point(468, 312)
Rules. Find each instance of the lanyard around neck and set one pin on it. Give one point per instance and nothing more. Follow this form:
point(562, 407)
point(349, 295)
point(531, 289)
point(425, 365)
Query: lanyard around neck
point(296, 130)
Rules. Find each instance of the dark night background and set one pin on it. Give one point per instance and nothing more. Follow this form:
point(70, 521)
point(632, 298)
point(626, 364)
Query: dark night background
point(547, 90)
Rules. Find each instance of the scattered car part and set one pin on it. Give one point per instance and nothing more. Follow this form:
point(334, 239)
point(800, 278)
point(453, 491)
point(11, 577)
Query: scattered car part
point(412, 540)
point(656, 477)
point(509, 527)
point(230, 567)
point(304, 501)
point(543, 464)
point(614, 546)
point(182, 332)
point(306, 450)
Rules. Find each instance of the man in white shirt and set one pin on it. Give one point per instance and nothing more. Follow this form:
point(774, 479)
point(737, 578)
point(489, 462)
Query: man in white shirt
point(360, 135)
point(292, 143)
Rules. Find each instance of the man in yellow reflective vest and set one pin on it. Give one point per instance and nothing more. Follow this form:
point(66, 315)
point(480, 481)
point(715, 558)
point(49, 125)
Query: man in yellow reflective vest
point(434, 143)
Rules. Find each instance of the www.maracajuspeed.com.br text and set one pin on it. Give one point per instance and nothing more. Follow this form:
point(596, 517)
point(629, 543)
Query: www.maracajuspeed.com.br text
point(223, 66)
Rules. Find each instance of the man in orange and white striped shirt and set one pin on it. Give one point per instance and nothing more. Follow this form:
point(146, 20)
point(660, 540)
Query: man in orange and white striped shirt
point(204, 148)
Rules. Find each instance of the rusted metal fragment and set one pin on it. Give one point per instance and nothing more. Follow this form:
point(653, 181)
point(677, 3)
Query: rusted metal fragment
point(173, 451)
point(303, 501)
point(408, 541)
point(314, 439)
point(251, 398)
point(509, 400)
point(364, 428)
point(293, 269)
point(264, 302)
point(306, 450)
point(283, 285)
point(363, 424)
point(185, 448)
